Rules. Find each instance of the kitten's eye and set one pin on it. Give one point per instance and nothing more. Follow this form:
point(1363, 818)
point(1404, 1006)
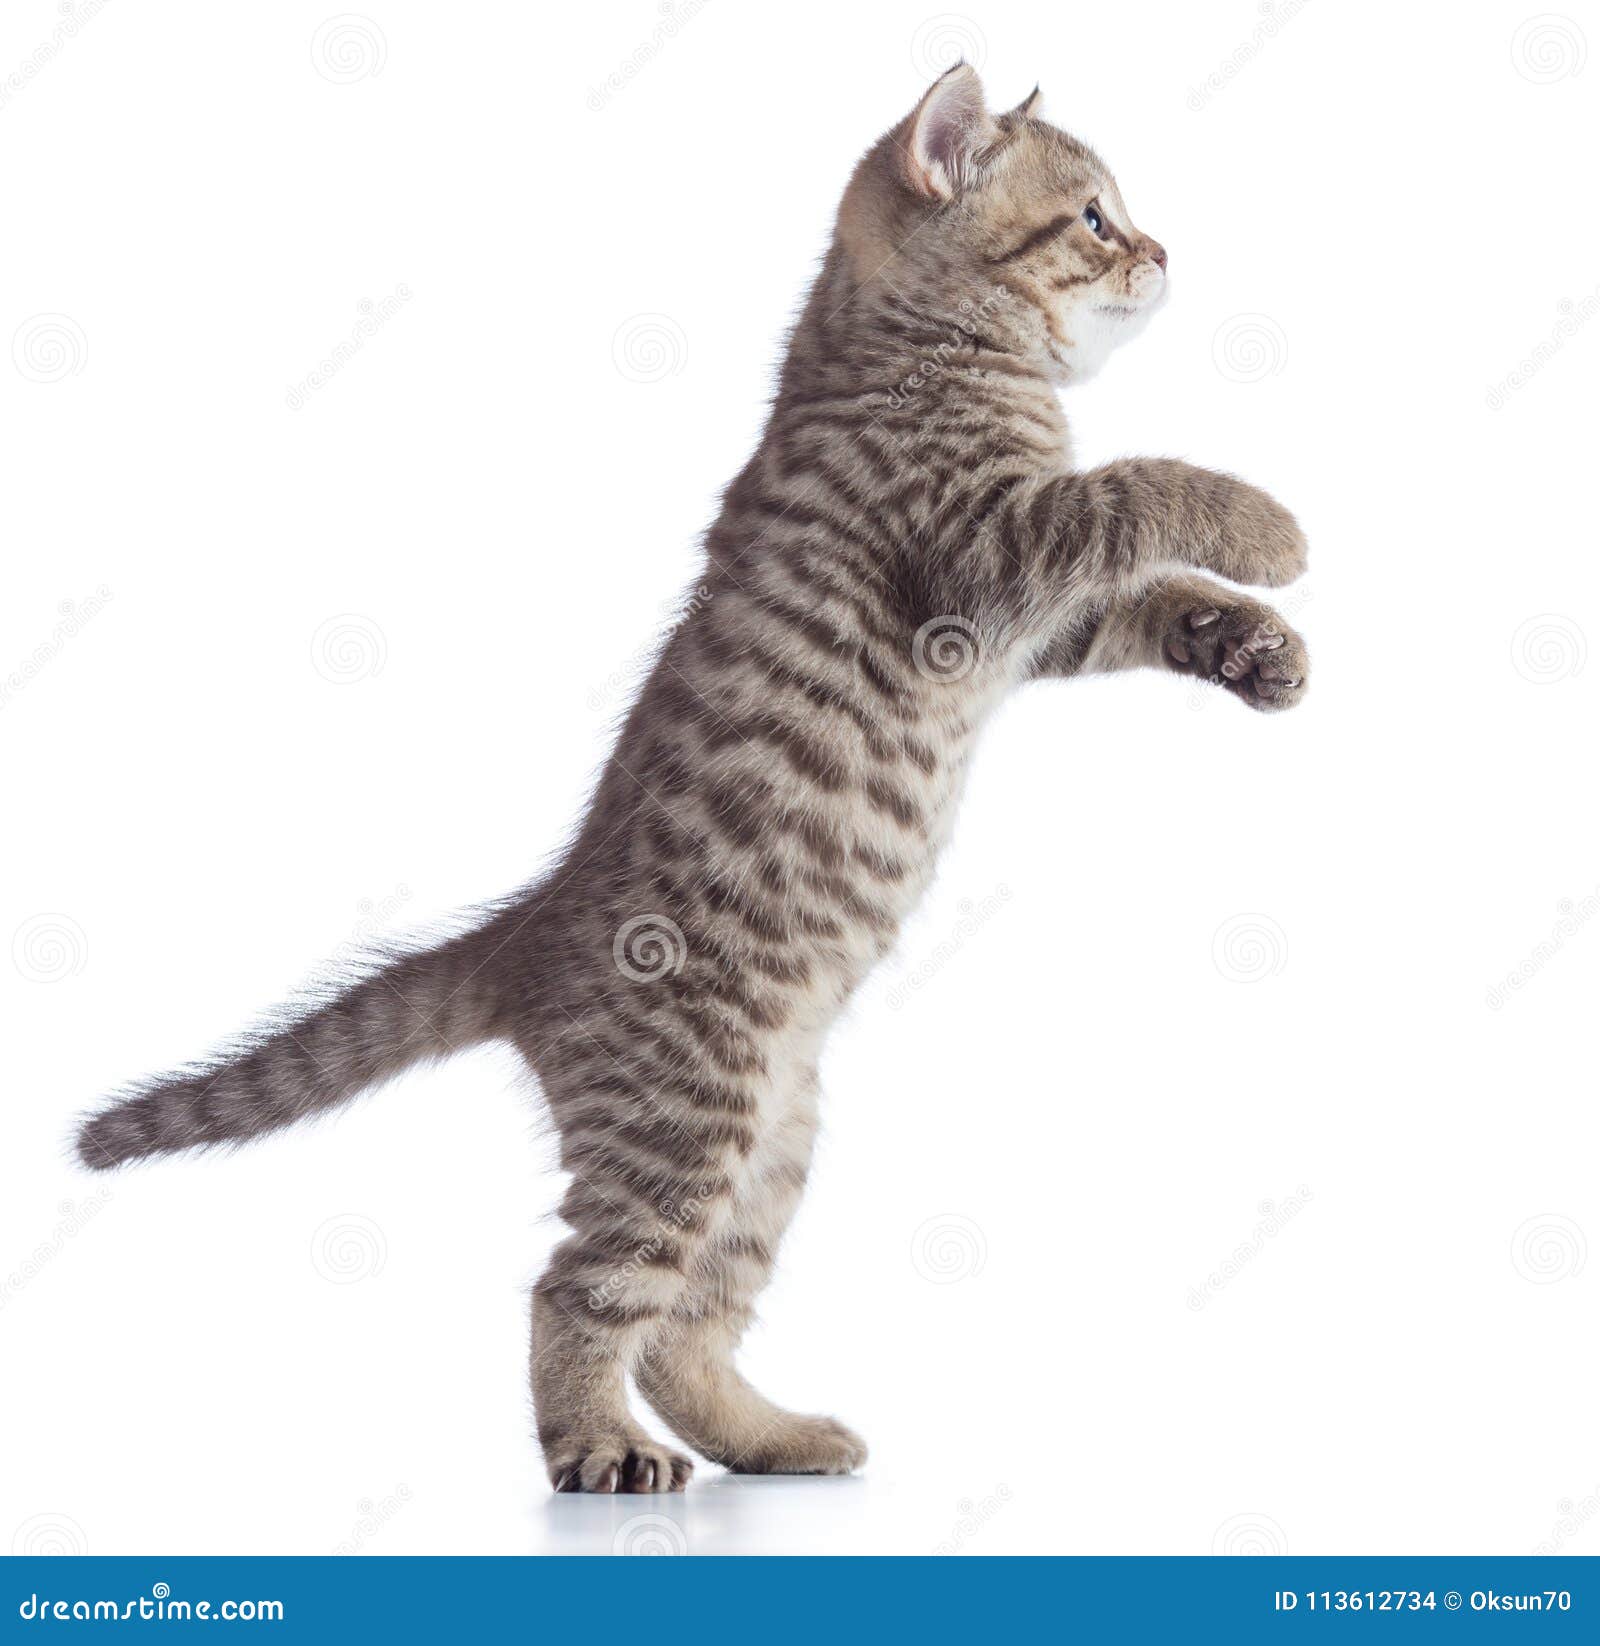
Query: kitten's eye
point(1097, 224)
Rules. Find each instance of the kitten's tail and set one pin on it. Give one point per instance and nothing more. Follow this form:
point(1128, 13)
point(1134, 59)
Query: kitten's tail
point(416, 1007)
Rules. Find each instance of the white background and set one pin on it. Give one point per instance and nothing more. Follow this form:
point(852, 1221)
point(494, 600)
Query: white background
point(1239, 961)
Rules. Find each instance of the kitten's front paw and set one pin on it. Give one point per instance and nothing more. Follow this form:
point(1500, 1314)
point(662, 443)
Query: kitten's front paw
point(1292, 553)
point(801, 1446)
point(1246, 647)
point(1271, 546)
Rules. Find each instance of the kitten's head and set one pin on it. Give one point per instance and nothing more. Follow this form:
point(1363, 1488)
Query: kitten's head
point(955, 203)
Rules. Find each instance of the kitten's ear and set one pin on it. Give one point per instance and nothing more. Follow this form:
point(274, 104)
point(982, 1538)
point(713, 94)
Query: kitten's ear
point(947, 131)
point(1027, 108)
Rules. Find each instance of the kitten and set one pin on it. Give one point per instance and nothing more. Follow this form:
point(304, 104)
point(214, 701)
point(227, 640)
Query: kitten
point(909, 542)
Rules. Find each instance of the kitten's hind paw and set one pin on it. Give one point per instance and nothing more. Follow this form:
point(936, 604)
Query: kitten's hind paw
point(622, 1464)
point(1244, 646)
point(800, 1446)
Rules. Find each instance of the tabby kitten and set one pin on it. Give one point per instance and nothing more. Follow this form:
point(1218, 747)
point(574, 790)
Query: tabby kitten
point(909, 542)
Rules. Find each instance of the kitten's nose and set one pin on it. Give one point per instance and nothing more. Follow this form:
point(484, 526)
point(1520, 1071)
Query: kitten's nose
point(1157, 253)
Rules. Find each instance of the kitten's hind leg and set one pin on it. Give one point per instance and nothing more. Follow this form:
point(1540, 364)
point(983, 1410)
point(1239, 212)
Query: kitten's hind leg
point(646, 1200)
point(590, 1439)
point(1195, 626)
point(691, 1380)
point(687, 1371)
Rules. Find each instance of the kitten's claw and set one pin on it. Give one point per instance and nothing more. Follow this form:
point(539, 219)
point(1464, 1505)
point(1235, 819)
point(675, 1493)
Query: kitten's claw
point(622, 1465)
point(1247, 648)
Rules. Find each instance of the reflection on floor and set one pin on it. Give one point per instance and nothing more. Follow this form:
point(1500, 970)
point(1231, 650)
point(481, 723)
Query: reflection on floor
point(722, 1515)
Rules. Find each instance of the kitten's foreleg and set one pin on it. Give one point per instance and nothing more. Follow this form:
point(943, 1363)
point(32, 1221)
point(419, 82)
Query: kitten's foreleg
point(1104, 532)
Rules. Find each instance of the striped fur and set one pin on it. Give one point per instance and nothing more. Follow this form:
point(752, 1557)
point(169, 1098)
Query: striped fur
point(910, 542)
